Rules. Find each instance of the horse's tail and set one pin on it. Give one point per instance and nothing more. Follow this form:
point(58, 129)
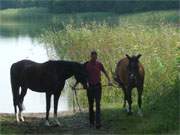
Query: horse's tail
point(14, 86)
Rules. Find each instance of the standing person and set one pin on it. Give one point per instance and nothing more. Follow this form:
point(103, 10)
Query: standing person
point(94, 68)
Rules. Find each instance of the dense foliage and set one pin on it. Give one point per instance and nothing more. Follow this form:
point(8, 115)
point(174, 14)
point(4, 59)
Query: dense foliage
point(155, 37)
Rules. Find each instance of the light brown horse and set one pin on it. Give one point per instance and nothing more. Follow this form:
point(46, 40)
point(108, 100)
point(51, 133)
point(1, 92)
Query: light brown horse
point(129, 74)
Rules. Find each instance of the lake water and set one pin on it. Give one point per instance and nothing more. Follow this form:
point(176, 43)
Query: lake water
point(18, 41)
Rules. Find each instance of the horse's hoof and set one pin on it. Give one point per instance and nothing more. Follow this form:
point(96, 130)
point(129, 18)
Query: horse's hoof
point(127, 109)
point(140, 113)
point(57, 123)
point(47, 123)
point(17, 118)
point(124, 109)
point(129, 113)
point(18, 121)
point(22, 119)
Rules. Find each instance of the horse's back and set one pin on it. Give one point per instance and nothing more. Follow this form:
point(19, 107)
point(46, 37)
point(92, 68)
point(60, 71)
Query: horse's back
point(18, 66)
point(26, 72)
point(22, 64)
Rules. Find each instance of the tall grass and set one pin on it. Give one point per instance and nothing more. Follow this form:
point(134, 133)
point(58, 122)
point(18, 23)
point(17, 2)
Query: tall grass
point(157, 42)
point(153, 34)
point(158, 47)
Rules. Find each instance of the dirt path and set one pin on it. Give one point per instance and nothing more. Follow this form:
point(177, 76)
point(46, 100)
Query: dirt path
point(114, 121)
point(34, 123)
point(72, 123)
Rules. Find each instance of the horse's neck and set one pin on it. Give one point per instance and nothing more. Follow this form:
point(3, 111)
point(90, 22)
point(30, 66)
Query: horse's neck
point(68, 75)
point(67, 71)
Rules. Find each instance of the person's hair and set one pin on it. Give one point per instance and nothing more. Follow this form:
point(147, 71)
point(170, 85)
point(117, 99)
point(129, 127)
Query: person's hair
point(93, 53)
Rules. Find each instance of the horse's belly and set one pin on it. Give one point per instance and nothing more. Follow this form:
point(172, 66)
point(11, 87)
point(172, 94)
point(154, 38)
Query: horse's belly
point(39, 86)
point(38, 89)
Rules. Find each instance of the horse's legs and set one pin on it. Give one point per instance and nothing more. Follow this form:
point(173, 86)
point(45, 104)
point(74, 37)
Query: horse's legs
point(56, 99)
point(124, 91)
point(15, 92)
point(140, 89)
point(23, 93)
point(48, 102)
point(129, 99)
point(21, 99)
point(15, 108)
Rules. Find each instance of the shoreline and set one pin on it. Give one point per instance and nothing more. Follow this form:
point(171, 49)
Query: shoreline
point(42, 114)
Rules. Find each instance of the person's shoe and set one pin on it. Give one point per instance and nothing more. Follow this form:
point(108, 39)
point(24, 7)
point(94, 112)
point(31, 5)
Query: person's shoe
point(98, 126)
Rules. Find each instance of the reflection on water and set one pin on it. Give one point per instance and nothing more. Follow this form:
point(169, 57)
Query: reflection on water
point(16, 29)
point(13, 49)
point(18, 41)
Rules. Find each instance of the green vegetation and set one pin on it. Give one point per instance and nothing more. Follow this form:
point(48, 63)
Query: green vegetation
point(156, 37)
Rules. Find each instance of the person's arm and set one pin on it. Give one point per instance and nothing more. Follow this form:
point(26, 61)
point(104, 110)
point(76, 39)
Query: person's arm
point(106, 74)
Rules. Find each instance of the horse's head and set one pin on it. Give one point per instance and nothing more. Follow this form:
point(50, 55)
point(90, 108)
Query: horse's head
point(133, 66)
point(81, 76)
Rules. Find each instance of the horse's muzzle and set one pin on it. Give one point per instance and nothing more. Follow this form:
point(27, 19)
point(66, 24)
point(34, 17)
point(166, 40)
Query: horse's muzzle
point(132, 77)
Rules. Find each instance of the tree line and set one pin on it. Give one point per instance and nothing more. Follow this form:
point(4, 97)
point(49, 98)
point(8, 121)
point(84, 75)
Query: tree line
point(69, 6)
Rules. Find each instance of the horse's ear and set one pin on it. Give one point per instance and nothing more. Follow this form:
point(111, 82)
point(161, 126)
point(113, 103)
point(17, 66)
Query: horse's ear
point(138, 56)
point(128, 56)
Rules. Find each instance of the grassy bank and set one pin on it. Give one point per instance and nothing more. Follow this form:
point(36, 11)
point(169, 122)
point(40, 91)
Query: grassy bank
point(153, 34)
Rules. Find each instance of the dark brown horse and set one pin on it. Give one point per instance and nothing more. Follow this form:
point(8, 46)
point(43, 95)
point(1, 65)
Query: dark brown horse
point(129, 73)
point(48, 77)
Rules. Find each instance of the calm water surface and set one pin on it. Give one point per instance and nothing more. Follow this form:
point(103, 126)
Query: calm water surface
point(19, 42)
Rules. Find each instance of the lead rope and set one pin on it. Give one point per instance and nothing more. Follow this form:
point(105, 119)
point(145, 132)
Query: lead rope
point(73, 102)
point(75, 97)
point(115, 86)
point(77, 101)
